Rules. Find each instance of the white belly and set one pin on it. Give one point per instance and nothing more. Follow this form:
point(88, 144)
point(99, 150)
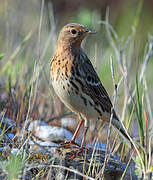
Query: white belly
point(74, 101)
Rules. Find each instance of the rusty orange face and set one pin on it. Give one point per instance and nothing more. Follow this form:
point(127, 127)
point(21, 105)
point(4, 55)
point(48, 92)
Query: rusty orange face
point(73, 34)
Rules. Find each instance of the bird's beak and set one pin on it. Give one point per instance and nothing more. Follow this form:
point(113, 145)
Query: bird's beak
point(91, 32)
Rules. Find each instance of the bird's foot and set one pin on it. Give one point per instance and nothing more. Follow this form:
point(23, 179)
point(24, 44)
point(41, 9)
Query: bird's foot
point(80, 151)
point(68, 144)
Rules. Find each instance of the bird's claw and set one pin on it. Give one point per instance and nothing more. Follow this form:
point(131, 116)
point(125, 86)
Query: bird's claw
point(68, 144)
point(78, 152)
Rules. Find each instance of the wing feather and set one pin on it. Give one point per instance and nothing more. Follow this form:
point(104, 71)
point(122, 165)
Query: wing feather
point(93, 86)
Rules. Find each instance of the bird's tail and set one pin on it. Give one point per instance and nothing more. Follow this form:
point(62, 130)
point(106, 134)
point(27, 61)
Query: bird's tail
point(122, 132)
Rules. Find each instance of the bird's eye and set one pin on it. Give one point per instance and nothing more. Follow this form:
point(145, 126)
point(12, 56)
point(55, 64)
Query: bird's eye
point(73, 31)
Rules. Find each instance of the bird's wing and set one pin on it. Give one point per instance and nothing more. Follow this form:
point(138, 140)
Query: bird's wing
point(93, 86)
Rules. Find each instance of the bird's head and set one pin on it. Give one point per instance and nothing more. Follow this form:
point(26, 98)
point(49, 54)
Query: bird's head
point(73, 34)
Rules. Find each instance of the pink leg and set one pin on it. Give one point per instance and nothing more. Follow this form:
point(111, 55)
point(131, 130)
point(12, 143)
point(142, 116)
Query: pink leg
point(82, 144)
point(84, 137)
point(68, 143)
point(77, 130)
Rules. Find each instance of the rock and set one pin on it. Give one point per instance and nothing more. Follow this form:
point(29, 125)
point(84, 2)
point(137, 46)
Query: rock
point(46, 138)
point(49, 133)
point(90, 163)
point(46, 147)
point(69, 123)
point(35, 124)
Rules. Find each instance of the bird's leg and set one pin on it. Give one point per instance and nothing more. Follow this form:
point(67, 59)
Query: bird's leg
point(86, 126)
point(82, 149)
point(77, 130)
point(68, 143)
point(84, 136)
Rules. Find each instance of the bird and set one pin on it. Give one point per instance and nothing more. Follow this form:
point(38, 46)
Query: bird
point(76, 82)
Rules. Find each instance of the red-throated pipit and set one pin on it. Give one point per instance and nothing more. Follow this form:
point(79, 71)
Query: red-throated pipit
point(76, 82)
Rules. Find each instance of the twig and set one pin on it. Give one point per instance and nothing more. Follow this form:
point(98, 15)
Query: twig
point(113, 78)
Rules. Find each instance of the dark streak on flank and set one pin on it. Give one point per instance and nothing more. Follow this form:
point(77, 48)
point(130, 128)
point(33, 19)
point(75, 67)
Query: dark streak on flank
point(74, 85)
point(90, 103)
point(84, 100)
point(102, 107)
point(96, 103)
point(79, 81)
point(98, 111)
point(77, 92)
point(77, 71)
point(71, 78)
